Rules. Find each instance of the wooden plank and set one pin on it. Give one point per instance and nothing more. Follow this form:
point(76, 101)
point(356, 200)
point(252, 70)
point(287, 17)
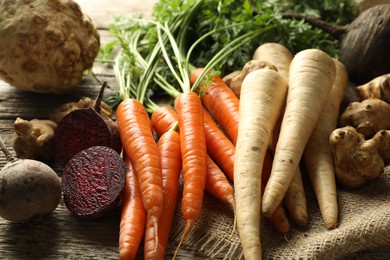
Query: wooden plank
point(101, 12)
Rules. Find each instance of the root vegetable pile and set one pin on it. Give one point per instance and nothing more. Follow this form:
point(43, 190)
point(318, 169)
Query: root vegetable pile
point(258, 121)
point(248, 139)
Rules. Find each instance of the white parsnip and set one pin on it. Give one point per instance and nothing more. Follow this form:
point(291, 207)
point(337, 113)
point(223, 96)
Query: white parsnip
point(263, 95)
point(311, 76)
point(318, 157)
point(276, 54)
point(295, 200)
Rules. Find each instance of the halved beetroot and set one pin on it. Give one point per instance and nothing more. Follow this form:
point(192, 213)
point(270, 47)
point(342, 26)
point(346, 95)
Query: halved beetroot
point(84, 128)
point(92, 181)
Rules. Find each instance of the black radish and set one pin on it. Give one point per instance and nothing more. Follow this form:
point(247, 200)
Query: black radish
point(364, 43)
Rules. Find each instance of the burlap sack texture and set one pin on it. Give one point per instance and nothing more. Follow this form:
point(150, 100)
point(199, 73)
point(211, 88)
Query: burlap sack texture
point(363, 231)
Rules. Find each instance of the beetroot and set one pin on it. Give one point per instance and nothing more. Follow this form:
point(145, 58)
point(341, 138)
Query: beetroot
point(92, 181)
point(84, 128)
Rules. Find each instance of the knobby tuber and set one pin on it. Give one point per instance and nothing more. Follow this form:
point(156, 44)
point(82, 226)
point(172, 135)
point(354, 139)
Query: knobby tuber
point(368, 116)
point(228, 78)
point(45, 45)
point(84, 128)
point(85, 102)
point(251, 65)
point(364, 43)
point(34, 139)
point(378, 87)
point(358, 160)
point(92, 181)
point(28, 188)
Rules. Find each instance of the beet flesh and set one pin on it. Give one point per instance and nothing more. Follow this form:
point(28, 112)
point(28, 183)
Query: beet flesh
point(81, 129)
point(92, 181)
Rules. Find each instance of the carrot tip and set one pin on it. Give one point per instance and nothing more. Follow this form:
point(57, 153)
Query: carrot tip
point(187, 230)
point(233, 205)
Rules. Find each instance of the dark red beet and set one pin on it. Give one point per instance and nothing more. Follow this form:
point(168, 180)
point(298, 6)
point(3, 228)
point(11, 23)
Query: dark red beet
point(92, 181)
point(84, 128)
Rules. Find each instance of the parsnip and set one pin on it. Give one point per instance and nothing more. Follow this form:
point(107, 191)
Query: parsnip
point(263, 95)
point(311, 76)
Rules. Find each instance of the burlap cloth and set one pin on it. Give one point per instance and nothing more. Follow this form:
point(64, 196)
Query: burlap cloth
point(363, 231)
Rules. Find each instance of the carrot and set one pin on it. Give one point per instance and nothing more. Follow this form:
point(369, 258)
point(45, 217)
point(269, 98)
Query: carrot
point(138, 143)
point(318, 156)
point(170, 157)
point(219, 147)
point(216, 182)
point(218, 185)
point(163, 118)
point(263, 94)
point(311, 76)
point(194, 151)
point(133, 215)
point(221, 103)
point(276, 54)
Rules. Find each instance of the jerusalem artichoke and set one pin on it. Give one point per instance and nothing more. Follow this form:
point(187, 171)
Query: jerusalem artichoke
point(251, 65)
point(34, 139)
point(358, 160)
point(368, 116)
point(379, 87)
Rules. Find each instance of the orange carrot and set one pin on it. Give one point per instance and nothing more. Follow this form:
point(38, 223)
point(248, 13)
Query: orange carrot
point(218, 185)
point(138, 143)
point(163, 118)
point(194, 151)
point(170, 157)
point(222, 104)
point(219, 147)
point(133, 216)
